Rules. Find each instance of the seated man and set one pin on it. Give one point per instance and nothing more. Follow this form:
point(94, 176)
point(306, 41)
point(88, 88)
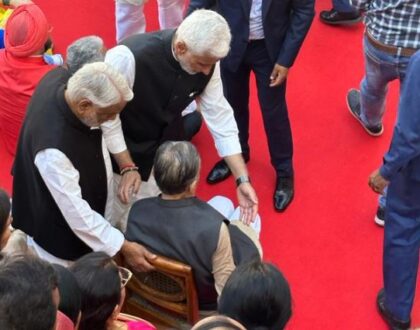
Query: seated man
point(22, 66)
point(180, 226)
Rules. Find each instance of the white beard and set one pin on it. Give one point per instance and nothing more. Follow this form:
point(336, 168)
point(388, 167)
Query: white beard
point(186, 67)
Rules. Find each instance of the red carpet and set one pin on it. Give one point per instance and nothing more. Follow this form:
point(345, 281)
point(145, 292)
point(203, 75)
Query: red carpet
point(326, 243)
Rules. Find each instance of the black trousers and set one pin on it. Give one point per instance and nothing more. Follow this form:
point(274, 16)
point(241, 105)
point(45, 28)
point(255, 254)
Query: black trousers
point(272, 102)
point(192, 124)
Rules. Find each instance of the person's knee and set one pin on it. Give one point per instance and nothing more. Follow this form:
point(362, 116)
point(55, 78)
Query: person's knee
point(192, 124)
point(222, 204)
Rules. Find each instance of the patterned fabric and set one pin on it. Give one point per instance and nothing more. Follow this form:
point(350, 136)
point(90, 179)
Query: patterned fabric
point(4, 15)
point(392, 22)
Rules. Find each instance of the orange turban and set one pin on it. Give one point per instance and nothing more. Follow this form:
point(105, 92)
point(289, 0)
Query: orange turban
point(26, 31)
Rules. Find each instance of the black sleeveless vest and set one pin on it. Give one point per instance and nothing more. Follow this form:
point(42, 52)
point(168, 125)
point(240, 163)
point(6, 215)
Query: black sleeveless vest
point(162, 90)
point(50, 123)
point(187, 230)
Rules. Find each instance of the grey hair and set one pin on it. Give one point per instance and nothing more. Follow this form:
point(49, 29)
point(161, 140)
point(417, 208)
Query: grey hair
point(84, 50)
point(99, 83)
point(176, 166)
point(205, 32)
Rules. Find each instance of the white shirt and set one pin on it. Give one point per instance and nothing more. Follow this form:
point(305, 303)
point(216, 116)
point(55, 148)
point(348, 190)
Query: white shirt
point(218, 116)
point(62, 180)
point(256, 30)
point(216, 110)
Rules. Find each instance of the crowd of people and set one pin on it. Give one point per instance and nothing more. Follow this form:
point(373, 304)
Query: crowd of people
point(104, 167)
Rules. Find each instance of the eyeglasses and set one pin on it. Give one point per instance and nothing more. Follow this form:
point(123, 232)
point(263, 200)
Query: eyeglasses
point(125, 275)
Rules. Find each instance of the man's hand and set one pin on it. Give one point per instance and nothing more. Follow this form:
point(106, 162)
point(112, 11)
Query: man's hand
point(377, 182)
point(278, 75)
point(130, 179)
point(137, 256)
point(16, 3)
point(247, 198)
point(248, 202)
point(129, 186)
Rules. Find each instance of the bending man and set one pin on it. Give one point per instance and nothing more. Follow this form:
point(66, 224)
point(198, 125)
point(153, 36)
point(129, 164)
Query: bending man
point(60, 177)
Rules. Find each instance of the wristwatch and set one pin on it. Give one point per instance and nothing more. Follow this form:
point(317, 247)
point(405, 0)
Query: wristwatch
point(242, 179)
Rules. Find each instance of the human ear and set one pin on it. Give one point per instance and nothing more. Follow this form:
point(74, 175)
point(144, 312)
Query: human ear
point(180, 48)
point(84, 106)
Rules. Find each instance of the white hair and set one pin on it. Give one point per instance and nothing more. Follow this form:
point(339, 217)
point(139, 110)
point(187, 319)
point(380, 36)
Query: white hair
point(84, 50)
point(122, 59)
point(205, 32)
point(99, 83)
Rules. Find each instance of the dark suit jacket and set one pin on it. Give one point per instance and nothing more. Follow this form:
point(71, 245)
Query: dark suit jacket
point(285, 23)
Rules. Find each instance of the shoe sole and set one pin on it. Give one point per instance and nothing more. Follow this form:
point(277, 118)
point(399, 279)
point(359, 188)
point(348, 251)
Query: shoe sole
point(360, 121)
point(379, 221)
point(346, 22)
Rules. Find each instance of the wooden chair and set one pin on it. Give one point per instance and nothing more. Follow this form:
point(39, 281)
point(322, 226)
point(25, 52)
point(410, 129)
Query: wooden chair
point(165, 296)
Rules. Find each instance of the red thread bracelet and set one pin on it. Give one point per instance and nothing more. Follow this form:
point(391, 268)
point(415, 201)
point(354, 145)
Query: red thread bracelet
point(127, 166)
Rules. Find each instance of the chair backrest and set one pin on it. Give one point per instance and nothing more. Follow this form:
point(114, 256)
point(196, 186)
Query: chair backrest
point(166, 295)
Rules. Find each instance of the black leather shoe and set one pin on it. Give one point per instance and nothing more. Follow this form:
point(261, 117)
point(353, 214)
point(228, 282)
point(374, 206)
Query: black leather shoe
point(393, 323)
point(335, 17)
point(219, 172)
point(283, 195)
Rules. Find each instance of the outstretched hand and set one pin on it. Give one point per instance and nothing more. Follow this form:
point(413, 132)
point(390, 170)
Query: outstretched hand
point(248, 202)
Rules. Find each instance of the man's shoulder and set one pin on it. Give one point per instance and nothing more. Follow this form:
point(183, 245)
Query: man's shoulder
point(144, 202)
point(58, 75)
point(193, 205)
point(210, 210)
point(146, 42)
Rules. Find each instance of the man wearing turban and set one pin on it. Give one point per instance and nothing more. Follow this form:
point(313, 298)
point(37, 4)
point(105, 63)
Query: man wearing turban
point(22, 66)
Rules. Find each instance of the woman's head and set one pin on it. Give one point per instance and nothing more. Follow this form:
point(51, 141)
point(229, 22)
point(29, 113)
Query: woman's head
point(258, 296)
point(5, 218)
point(70, 295)
point(100, 283)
